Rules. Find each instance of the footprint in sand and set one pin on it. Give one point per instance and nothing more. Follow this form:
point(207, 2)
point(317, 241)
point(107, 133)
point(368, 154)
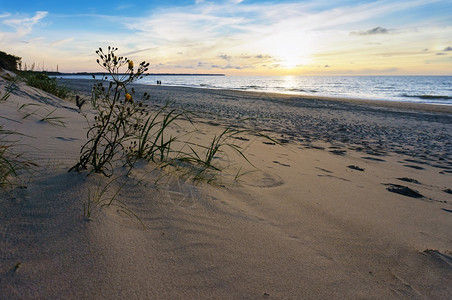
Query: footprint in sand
point(372, 158)
point(442, 258)
point(279, 163)
point(338, 152)
point(324, 170)
point(409, 180)
point(329, 175)
point(353, 167)
point(332, 176)
point(66, 139)
point(403, 190)
point(263, 180)
point(414, 167)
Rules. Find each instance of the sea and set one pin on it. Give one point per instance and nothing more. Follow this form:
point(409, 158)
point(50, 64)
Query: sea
point(414, 89)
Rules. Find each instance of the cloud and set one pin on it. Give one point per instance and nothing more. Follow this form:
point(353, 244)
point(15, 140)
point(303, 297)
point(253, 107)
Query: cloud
point(374, 31)
point(5, 15)
point(228, 67)
point(262, 56)
point(208, 25)
point(25, 25)
point(398, 54)
point(225, 56)
point(440, 53)
point(262, 33)
point(123, 7)
point(139, 51)
point(448, 49)
point(369, 71)
point(59, 42)
point(252, 33)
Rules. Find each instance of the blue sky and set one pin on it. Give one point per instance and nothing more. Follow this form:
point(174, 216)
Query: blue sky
point(407, 37)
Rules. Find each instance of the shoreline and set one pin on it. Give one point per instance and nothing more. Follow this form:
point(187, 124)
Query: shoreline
point(374, 127)
point(406, 93)
point(430, 107)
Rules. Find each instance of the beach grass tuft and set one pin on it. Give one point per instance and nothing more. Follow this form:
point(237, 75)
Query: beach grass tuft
point(12, 164)
point(200, 159)
point(151, 141)
point(102, 197)
point(53, 120)
point(4, 96)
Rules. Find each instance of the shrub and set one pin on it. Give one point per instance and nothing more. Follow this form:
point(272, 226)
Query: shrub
point(42, 81)
point(9, 62)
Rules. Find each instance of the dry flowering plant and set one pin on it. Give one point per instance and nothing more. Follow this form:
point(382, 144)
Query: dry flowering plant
point(117, 114)
point(129, 130)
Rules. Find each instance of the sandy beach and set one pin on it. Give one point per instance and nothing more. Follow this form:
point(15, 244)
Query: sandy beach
point(354, 202)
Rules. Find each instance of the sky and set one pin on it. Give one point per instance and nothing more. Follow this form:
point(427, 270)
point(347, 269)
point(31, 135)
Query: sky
point(235, 37)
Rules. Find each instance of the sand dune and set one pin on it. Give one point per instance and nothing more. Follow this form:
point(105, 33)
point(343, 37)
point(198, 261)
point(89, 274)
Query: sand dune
point(326, 214)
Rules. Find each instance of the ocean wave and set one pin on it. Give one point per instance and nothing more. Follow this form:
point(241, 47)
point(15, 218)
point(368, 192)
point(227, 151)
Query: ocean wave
point(302, 90)
point(428, 97)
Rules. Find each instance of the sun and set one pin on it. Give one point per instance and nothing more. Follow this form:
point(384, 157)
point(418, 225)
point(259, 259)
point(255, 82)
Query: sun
point(292, 61)
point(289, 50)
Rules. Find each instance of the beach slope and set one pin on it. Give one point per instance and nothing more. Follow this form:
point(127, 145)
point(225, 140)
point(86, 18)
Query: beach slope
point(355, 202)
